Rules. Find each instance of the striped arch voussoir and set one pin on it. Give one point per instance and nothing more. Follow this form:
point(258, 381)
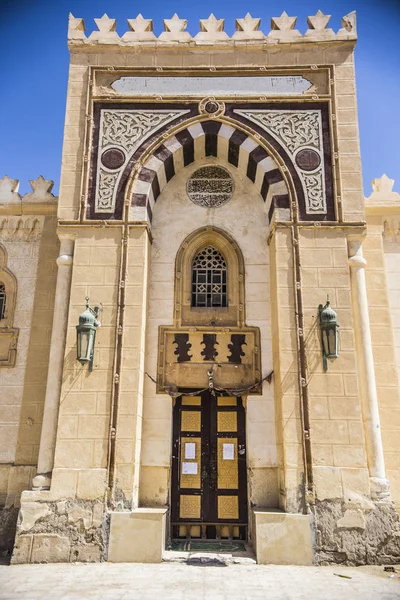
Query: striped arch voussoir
point(209, 138)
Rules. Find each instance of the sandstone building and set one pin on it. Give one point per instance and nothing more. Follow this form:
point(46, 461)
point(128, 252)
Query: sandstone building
point(210, 201)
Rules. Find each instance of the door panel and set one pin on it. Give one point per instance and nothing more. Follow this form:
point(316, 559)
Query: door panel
point(209, 487)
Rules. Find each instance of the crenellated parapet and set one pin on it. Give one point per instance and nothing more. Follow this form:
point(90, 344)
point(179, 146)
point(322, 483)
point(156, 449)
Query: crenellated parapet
point(283, 30)
point(39, 201)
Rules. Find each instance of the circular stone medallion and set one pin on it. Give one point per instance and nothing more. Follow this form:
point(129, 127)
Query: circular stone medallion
point(211, 107)
point(308, 160)
point(113, 158)
point(210, 186)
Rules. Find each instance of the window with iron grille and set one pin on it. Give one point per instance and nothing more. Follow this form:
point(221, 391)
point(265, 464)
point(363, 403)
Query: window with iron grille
point(209, 279)
point(2, 300)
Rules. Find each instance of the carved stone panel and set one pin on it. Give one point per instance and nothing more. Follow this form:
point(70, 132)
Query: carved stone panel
point(185, 356)
point(301, 134)
point(121, 132)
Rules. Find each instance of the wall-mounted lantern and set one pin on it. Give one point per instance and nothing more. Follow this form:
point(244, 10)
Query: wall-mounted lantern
point(86, 335)
point(329, 332)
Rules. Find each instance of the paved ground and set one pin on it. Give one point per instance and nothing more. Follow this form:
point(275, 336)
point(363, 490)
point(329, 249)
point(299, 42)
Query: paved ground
point(177, 581)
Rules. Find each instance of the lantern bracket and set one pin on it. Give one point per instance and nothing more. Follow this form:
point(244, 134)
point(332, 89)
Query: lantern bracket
point(86, 334)
point(329, 328)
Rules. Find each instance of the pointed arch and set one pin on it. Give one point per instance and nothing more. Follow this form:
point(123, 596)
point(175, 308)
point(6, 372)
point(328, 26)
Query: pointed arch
point(199, 140)
point(234, 313)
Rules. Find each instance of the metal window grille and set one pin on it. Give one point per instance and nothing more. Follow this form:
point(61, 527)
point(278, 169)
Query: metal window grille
point(2, 300)
point(209, 279)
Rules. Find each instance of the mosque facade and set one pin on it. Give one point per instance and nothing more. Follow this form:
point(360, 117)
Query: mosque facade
point(200, 337)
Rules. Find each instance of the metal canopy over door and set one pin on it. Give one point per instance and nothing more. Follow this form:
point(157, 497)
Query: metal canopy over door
point(209, 483)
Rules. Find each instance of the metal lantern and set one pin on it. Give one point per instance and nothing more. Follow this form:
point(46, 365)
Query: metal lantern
point(86, 335)
point(329, 332)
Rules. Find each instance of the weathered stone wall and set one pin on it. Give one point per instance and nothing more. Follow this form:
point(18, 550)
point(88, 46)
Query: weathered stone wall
point(62, 531)
point(356, 532)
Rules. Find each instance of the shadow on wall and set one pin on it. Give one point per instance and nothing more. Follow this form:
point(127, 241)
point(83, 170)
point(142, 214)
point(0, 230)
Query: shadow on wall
point(289, 385)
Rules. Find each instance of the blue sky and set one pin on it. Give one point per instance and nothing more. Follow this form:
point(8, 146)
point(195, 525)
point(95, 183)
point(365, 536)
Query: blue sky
point(34, 66)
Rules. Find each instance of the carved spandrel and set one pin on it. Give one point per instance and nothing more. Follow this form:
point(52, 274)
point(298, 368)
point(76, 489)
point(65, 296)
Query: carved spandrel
point(300, 132)
point(182, 347)
point(209, 342)
point(238, 340)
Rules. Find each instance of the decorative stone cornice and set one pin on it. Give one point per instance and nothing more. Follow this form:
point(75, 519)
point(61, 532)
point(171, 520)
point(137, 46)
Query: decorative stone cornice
point(211, 31)
point(283, 27)
point(175, 30)
point(20, 228)
point(141, 30)
point(38, 202)
point(318, 26)
point(248, 29)
point(385, 203)
point(383, 199)
point(9, 191)
point(349, 26)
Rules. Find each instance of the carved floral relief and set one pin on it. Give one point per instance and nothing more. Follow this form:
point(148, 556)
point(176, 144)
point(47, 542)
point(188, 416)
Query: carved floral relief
point(121, 133)
point(300, 133)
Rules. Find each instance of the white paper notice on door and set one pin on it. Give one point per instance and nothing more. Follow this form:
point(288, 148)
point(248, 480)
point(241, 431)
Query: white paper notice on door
point(189, 468)
point(190, 450)
point(228, 451)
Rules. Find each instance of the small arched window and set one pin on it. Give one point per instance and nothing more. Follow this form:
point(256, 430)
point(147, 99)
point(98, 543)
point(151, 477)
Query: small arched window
point(209, 275)
point(3, 299)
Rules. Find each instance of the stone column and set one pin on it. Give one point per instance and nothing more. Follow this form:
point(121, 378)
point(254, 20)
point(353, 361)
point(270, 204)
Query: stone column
point(366, 371)
point(56, 360)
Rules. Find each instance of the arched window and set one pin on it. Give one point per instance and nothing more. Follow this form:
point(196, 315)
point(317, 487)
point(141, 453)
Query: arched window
point(3, 299)
point(209, 279)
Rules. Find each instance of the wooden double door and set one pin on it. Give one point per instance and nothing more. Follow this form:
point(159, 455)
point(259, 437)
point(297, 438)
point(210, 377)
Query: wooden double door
point(209, 477)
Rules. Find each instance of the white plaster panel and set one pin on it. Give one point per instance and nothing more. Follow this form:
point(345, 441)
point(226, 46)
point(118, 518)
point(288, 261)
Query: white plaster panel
point(137, 213)
point(226, 131)
point(278, 188)
point(267, 164)
point(141, 187)
point(215, 86)
point(151, 198)
point(196, 130)
point(245, 218)
point(249, 145)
